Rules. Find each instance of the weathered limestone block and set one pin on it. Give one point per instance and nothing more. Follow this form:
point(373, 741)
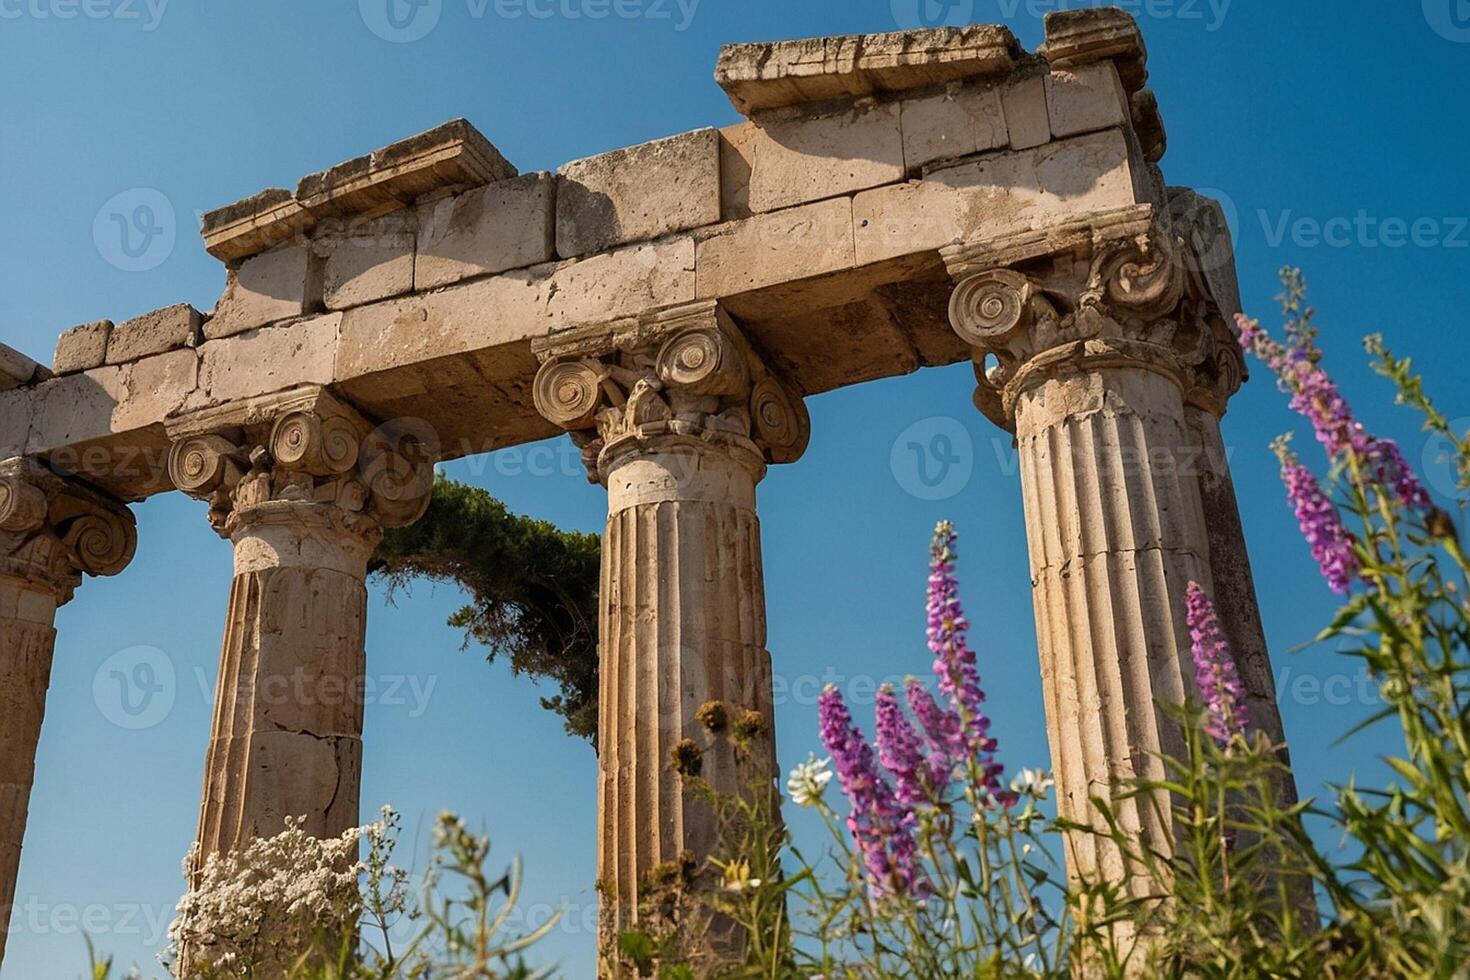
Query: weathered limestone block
point(262, 289)
point(267, 360)
point(365, 261)
point(453, 154)
point(1087, 35)
point(51, 532)
point(961, 121)
point(1085, 99)
point(155, 386)
point(805, 158)
point(772, 75)
point(77, 407)
point(82, 348)
point(638, 193)
point(682, 600)
point(622, 283)
point(264, 221)
point(302, 488)
point(17, 408)
point(508, 224)
point(996, 195)
point(776, 247)
point(1149, 125)
point(417, 329)
point(154, 333)
point(17, 370)
point(1027, 120)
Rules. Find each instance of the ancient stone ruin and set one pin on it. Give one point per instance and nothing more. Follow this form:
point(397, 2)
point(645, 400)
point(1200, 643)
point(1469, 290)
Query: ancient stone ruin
point(892, 202)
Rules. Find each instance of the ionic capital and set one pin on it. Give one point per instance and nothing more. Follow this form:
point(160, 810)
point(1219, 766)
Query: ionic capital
point(53, 530)
point(682, 376)
point(303, 456)
point(1121, 289)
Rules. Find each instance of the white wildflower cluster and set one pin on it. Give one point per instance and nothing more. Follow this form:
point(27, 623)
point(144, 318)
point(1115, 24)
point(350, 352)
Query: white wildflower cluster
point(808, 781)
point(255, 910)
point(1032, 783)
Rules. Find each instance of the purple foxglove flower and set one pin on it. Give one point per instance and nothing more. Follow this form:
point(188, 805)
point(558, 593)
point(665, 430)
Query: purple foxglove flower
point(898, 748)
point(1389, 469)
point(1320, 523)
point(882, 826)
point(941, 730)
point(954, 662)
point(1316, 396)
point(1214, 668)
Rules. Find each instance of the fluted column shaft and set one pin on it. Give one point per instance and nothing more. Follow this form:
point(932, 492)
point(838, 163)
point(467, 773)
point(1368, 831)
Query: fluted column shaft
point(1235, 588)
point(302, 486)
point(683, 623)
point(1106, 352)
point(52, 530)
point(678, 419)
point(1116, 532)
point(286, 739)
point(27, 640)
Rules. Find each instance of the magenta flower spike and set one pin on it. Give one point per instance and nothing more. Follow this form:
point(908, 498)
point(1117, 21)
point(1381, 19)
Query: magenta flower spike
point(1214, 668)
point(1317, 398)
point(1320, 523)
point(882, 826)
point(941, 730)
point(899, 749)
point(954, 663)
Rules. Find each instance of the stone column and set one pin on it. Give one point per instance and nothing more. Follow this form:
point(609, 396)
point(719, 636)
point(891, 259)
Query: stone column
point(51, 531)
point(302, 489)
point(678, 425)
point(1235, 588)
point(1088, 345)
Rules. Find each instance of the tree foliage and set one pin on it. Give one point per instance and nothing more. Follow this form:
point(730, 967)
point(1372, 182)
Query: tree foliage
point(532, 588)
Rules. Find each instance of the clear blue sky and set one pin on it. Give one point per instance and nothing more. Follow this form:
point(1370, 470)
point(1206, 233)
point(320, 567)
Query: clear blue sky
point(1301, 112)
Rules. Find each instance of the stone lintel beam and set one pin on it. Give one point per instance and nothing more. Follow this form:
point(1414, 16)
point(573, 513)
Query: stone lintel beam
point(763, 76)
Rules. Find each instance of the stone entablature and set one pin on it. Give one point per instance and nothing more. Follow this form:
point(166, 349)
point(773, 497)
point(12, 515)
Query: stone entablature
point(415, 280)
